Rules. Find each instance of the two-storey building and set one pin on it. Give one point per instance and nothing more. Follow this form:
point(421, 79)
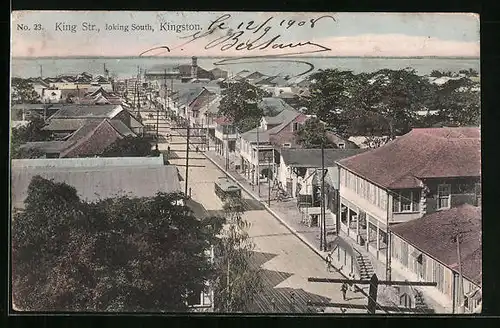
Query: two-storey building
point(424, 171)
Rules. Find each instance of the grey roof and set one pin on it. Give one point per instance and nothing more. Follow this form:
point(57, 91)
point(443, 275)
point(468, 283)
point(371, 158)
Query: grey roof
point(213, 108)
point(251, 135)
point(272, 105)
point(85, 129)
point(121, 128)
point(94, 183)
point(31, 106)
point(60, 124)
point(298, 157)
point(88, 162)
point(88, 111)
point(187, 96)
point(46, 146)
point(285, 116)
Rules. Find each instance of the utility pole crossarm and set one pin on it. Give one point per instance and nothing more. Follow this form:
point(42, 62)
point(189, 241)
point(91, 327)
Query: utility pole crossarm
point(363, 307)
point(367, 282)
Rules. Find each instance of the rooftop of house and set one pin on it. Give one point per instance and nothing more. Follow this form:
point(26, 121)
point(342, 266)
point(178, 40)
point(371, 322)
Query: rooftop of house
point(121, 128)
point(251, 135)
point(87, 111)
point(57, 124)
point(336, 139)
point(420, 154)
point(100, 182)
point(16, 107)
point(91, 139)
point(273, 106)
point(298, 157)
point(88, 162)
point(46, 146)
point(434, 235)
point(287, 114)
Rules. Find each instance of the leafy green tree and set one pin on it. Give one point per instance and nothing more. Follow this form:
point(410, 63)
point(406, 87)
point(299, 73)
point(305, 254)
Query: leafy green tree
point(22, 91)
point(458, 103)
point(119, 254)
point(393, 97)
point(130, 146)
point(331, 92)
point(29, 133)
point(238, 281)
point(312, 134)
point(239, 103)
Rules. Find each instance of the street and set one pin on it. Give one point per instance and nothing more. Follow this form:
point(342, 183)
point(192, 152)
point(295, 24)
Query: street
point(283, 256)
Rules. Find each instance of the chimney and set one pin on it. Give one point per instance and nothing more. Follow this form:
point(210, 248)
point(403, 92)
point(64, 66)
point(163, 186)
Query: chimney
point(194, 67)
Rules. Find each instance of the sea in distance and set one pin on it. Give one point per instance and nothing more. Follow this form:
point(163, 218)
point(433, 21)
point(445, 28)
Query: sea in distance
point(126, 67)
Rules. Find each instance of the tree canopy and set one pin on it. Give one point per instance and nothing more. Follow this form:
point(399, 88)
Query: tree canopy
point(238, 281)
point(386, 102)
point(239, 103)
point(313, 134)
point(29, 133)
point(130, 146)
point(119, 254)
point(22, 91)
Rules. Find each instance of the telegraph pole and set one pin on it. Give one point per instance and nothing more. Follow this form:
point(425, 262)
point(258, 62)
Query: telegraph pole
point(460, 277)
point(187, 153)
point(457, 239)
point(269, 178)
point(323, 214)
point(258, 161)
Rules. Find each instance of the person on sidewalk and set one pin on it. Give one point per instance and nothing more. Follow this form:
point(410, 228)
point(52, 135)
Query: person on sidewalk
point(343, 288)
point(351, 284)
point(328, 260)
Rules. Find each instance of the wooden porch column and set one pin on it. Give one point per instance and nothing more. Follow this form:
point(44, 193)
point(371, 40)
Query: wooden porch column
point(378, 238)
point(367, 232)
point(348, 220)
point(357, 227)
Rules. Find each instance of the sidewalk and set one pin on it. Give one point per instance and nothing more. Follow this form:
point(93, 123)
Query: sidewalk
point(285, 211)
point(289, 215)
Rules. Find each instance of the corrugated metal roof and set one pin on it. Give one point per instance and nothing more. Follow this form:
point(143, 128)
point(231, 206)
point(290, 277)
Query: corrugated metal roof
point(59, 124)
point(89, 162)
point(312, 157)
point(122, 128)
point(47, 146)
point(94, 183)
point(88, 111)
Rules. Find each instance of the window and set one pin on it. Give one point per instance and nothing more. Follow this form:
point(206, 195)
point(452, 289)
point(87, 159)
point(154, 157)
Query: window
point(404, 253)
point(406, 201)
point(437, 275)
point(444, 195)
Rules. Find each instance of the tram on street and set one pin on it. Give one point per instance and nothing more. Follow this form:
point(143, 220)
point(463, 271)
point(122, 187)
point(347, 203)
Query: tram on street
point(225, 189)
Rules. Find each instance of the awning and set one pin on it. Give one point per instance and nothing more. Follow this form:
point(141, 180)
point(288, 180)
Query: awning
point(416, 253)
point(475, 295)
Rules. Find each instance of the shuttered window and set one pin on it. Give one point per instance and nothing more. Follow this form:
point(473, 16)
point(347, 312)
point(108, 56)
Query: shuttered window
point(404, 253)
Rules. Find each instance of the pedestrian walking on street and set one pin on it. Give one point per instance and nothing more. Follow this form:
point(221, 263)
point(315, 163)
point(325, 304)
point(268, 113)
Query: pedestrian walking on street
point(351, 284)
point(343, 288)
point(328, 262)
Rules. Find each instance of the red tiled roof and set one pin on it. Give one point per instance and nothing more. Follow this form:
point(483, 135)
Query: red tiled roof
point(434, 234)
point(222, 120)
point(420, 154)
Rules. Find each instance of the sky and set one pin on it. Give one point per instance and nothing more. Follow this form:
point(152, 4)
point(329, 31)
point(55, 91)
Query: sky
point(344, 34)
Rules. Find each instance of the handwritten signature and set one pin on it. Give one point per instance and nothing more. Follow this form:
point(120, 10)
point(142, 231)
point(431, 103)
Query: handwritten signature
point(253, 36)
